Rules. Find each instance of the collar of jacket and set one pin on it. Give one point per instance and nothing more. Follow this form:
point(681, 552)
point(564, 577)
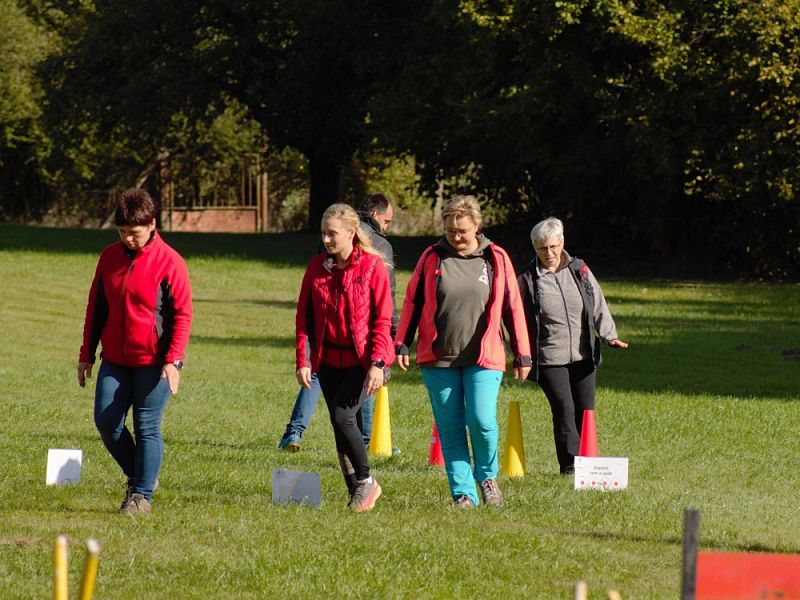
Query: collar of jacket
point(368, 220)
point(151, 243)
point(330, 263)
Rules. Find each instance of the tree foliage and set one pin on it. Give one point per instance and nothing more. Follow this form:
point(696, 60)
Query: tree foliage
point(665, 126)
point(24, 43)
point(661, 130)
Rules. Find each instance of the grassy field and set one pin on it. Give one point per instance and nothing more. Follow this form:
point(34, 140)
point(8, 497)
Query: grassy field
point(705, 405)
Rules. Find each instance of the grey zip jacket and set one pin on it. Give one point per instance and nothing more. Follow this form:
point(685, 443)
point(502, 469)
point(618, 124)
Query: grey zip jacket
point(566, 312)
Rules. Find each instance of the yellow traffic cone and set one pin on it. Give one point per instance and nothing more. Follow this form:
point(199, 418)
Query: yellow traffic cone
point(514, 454)
point(380, 444)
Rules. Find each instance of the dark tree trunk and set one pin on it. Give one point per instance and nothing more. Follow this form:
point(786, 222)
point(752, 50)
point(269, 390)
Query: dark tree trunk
point(324, 188)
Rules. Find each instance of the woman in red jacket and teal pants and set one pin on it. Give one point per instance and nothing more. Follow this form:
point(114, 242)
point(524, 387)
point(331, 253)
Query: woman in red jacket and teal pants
point(344, 316)
point(140, 310)
point(462, 291)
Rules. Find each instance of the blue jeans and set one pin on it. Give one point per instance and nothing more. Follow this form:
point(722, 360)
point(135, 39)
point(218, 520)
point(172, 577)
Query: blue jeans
point(306, 404)
point(465, 398)
point(118, 389)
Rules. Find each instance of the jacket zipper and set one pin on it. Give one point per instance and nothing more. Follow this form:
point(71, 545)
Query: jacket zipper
point(125, 304)
point(566, 314)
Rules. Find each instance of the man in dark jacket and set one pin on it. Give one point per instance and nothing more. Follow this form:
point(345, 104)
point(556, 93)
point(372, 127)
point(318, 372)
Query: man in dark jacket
point(376, 215)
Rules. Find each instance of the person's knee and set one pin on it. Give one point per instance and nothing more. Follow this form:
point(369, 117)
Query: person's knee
point(343, 419)
point(109, 427)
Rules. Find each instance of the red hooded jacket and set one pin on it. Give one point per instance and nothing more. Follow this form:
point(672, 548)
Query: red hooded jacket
point(140, 306)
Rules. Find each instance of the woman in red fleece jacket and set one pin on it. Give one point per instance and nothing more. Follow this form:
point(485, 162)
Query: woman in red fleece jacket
point(140, 310)
point(344, 314)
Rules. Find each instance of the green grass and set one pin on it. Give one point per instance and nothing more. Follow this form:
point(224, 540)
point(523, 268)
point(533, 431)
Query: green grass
point(705, 405)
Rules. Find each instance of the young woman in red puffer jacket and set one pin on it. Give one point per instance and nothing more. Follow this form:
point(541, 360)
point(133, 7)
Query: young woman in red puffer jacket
point(344, 316)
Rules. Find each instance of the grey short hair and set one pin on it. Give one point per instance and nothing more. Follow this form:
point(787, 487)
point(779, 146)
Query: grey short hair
point(544, 230)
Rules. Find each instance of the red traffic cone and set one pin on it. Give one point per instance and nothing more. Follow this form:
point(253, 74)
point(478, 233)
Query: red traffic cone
point(435, 454)
point(588, 435)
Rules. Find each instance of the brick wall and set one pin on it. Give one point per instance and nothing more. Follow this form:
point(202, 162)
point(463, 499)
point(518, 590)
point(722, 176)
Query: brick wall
point(236, 220)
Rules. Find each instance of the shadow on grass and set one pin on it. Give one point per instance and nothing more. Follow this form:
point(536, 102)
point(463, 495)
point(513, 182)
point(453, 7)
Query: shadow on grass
point(751, 358)
point(674, 540)
point(775, 307)
point(250, 342)
point(278, 248)
point(737, 347)
point(258, 302)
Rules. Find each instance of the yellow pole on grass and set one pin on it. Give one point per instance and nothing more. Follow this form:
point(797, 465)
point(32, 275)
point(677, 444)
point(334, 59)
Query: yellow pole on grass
point(60, 581)
point(90, 567)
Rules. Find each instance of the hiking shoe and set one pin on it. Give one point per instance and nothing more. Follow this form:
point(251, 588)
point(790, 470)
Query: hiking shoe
point(463, 501)
point(137, 504)
point(492, 496)
point(129, 490)
point(290, 443)
point(364, 495)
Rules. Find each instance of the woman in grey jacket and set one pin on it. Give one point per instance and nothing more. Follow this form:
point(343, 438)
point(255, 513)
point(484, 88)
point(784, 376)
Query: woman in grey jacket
point(568, 319)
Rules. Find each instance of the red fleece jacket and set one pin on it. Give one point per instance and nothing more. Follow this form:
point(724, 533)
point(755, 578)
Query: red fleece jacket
point(140, 306)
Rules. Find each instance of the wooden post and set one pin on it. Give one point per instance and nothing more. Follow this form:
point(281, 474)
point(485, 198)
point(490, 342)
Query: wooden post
point(581, 591)
point(691, 545)
point(264, 202)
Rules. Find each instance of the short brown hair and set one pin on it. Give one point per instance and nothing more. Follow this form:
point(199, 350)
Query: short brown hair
point(134, 207)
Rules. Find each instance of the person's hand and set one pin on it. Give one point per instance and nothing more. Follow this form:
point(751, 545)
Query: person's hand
point(84, 373)
point(173, 376)
point(373, 381)
point(618, 344)
point(403, 361)
point(521, 373)
point(303, 375)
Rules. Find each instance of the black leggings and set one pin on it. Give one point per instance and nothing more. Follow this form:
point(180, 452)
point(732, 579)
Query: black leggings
point(570, 391)
point(342, 391)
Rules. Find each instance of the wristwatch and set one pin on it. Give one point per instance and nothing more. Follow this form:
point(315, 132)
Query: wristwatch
point(380, 363)
point(178, 364)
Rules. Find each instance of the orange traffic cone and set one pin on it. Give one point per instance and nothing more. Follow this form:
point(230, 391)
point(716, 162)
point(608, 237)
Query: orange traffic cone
point(435, 456)
point(588, 435)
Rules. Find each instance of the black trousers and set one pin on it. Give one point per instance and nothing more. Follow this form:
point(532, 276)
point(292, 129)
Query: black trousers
point(342, 391)
point(570, 391)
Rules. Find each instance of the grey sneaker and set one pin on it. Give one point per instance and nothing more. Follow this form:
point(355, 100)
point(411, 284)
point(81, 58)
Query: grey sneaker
point(463, 501)
point(137, 504)
point(492, 496)
point(364, 495)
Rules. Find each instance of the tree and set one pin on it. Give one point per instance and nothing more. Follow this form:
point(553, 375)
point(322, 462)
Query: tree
point(307, 70)
point(23, 44)
point(664, 126)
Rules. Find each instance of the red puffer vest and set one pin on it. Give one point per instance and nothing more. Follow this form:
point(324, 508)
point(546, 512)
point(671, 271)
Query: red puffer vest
point(366, 289)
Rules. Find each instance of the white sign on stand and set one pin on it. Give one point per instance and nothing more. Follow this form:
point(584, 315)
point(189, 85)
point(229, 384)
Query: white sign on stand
point(601, 473)
point(295, 487)
point(63, 466)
